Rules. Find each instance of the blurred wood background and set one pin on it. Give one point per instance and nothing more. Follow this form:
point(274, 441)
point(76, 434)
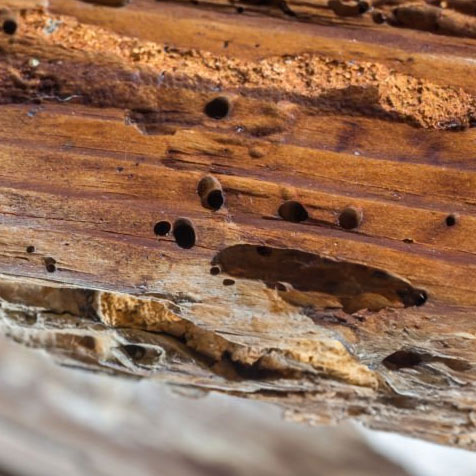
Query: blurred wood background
point(61, 421)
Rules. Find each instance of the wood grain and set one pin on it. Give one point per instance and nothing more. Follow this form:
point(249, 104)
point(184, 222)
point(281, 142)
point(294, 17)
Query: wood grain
point(106, 131)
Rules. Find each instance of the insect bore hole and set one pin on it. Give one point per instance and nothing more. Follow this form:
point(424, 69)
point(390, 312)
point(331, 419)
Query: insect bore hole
point(215, 270)
point(215, 199)
point(9, 26)
point(218, 108)
point(293, 211)
point(184, 233)
point(350, 218)
point(50, 265)
point(162, 228)
point(420, 298)
point(211, 193)
point(451, 219)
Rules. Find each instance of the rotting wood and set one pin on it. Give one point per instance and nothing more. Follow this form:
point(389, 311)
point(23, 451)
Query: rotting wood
point(291, 221)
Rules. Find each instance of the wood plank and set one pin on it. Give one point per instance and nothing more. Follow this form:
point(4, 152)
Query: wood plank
point(333, 273)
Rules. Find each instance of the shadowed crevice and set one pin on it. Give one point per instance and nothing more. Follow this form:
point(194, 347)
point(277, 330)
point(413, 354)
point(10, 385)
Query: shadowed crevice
point(309, 280)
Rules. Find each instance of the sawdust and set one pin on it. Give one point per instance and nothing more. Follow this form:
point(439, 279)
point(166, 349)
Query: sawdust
point(308, 78)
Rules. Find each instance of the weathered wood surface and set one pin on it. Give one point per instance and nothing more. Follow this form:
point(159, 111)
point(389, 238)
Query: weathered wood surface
point(104, 133)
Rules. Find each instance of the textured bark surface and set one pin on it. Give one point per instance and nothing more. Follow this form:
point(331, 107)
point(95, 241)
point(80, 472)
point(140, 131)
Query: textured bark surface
point(232, 197)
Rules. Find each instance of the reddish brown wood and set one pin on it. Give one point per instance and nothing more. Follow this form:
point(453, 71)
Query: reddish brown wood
point(276, 206)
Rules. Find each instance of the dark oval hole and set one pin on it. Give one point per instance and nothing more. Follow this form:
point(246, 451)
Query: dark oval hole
point(214, 270)
point(210, 191)
point(215, 199)
point(162, 228)
point(50, 265)
point(228, 282)
point(30, 249)
point(412, 297)
point(184, 233)
point(420, 298)
point(363, 7)
point(293, 211)
point(451, 220)
point(402, 359)
point(10, 26)
point(350, 218)
point(218, 108)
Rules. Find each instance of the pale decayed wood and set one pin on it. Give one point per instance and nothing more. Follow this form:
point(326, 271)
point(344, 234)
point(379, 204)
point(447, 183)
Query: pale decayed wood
point(291, 221)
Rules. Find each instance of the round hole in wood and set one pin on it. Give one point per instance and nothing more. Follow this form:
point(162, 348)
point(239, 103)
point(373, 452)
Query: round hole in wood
point(451, 219)
point(162, 228)
point(363, 7)
point(215, 199)
point(184, 233)
point(214, 270)
point(50, 265)
point(210, 191)
point(30, 249)
point(350, 218)
point(218, 108)
point(9, 26)
point(420, 298)
point(293, 211)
